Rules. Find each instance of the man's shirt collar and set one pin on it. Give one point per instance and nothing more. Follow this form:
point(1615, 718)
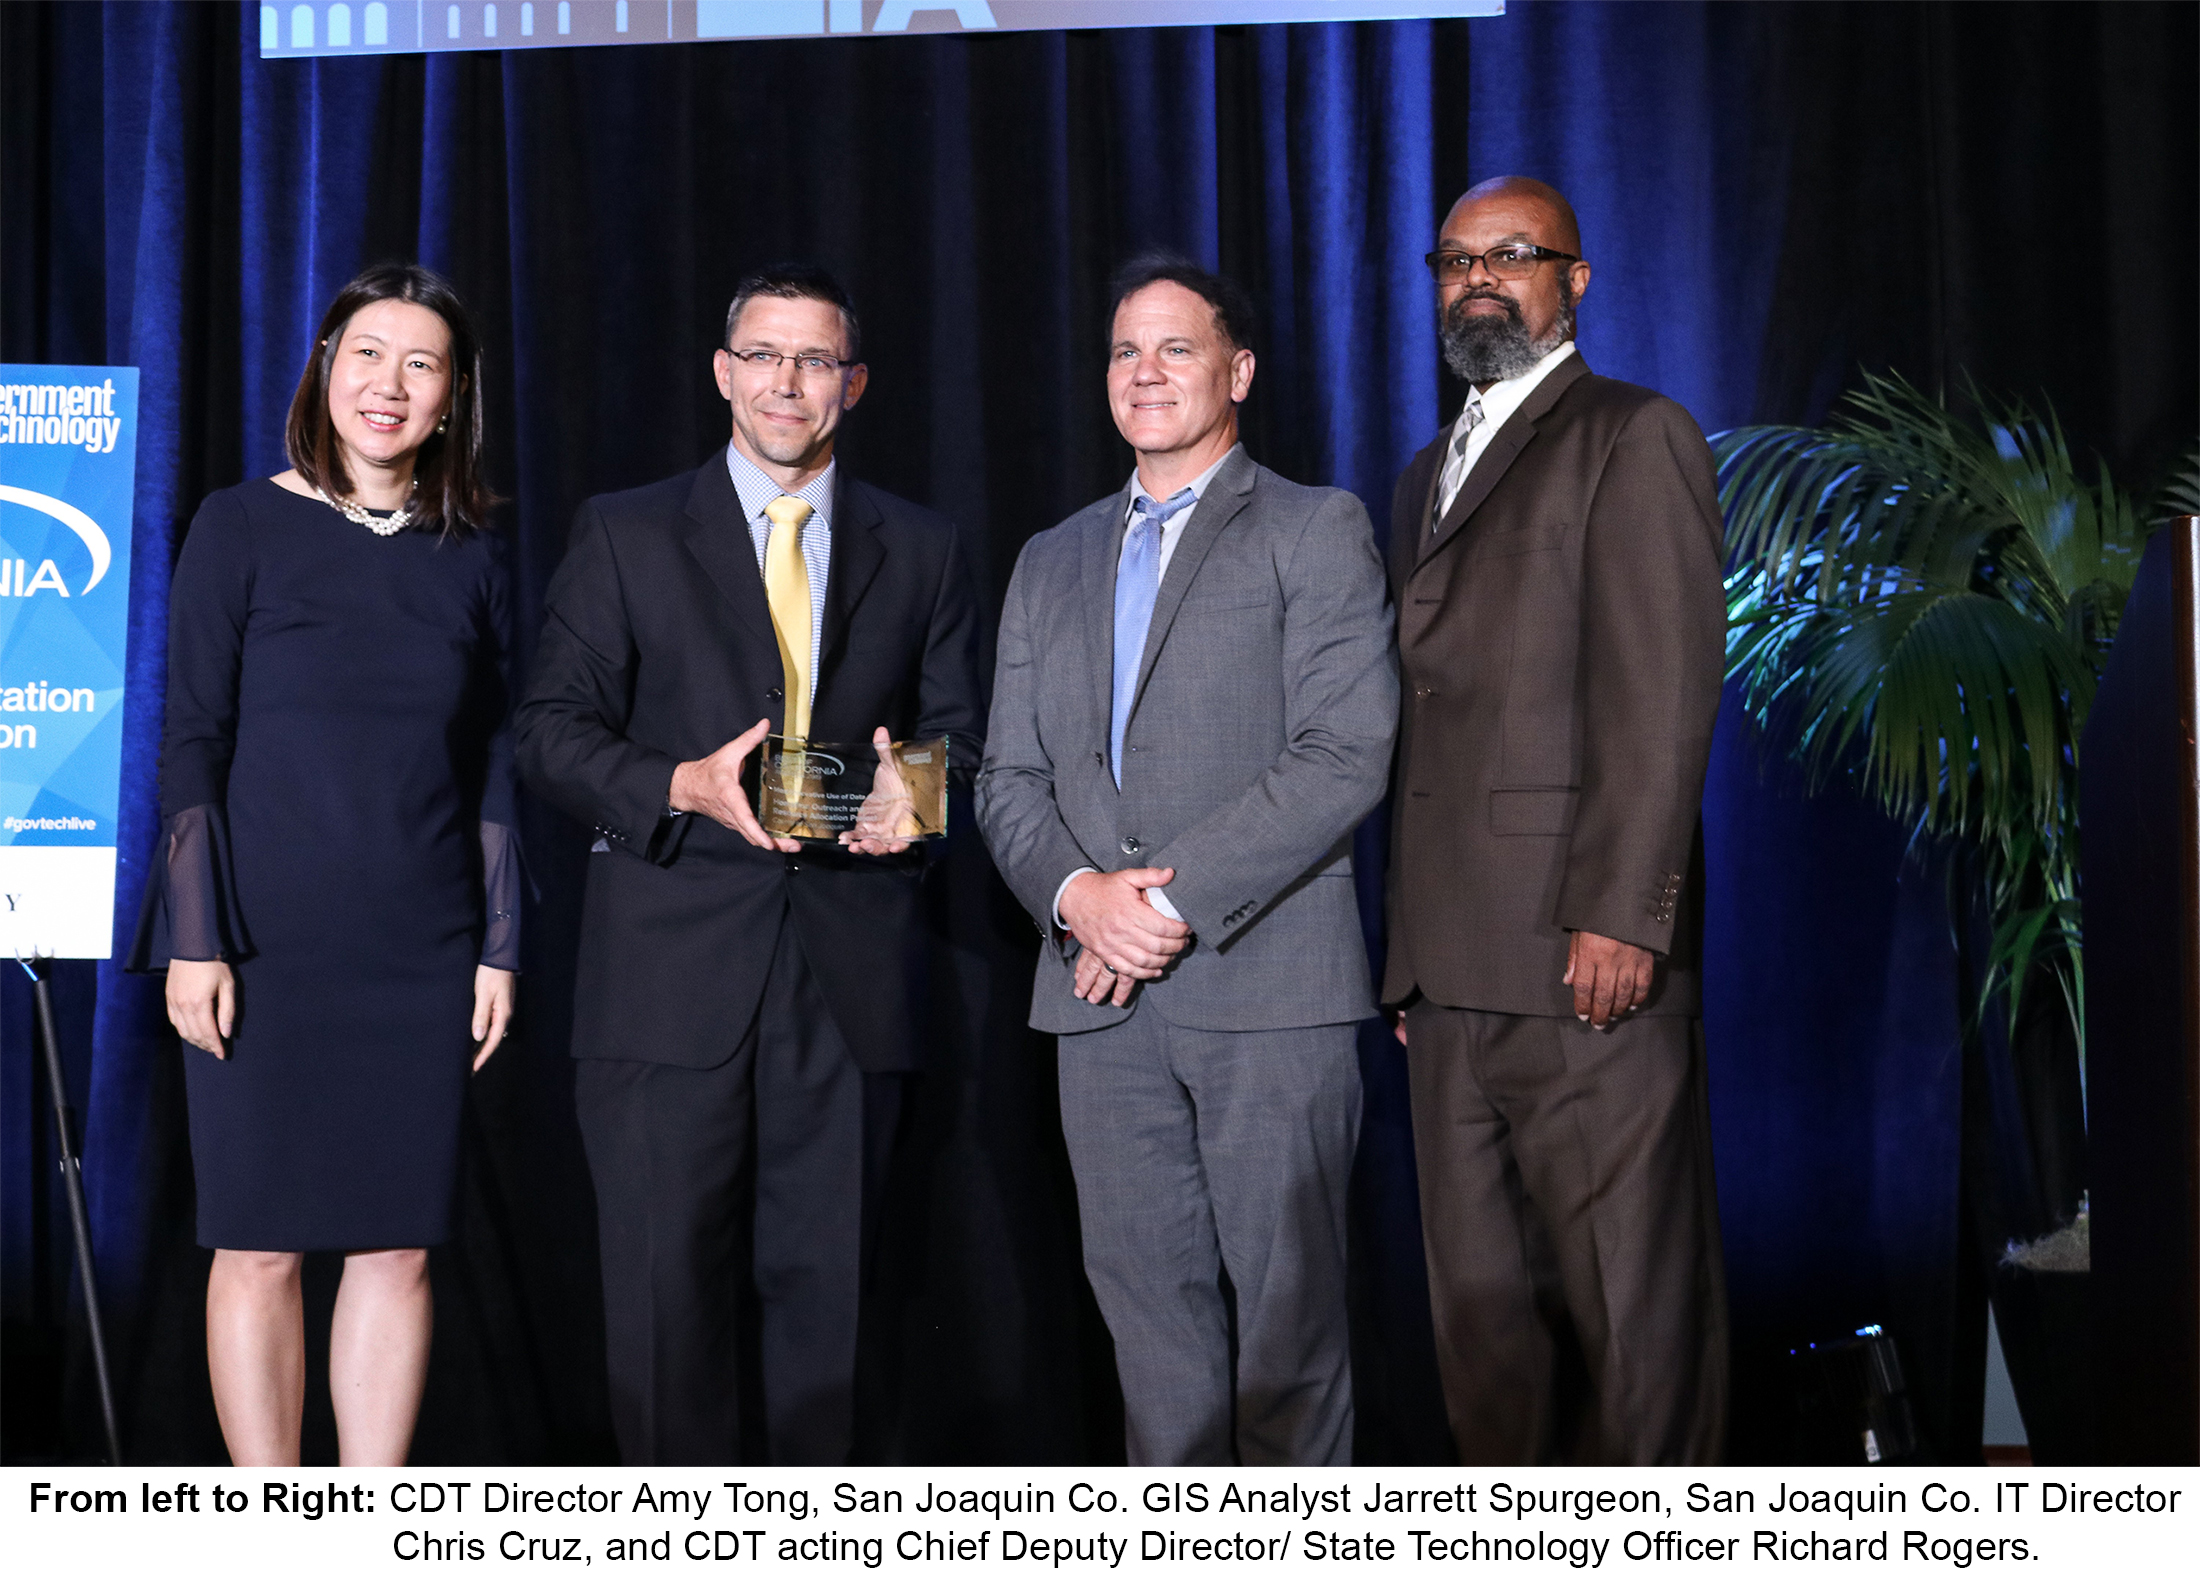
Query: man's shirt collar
point(1502, 398)
point(758, 490)
point(1198, 486)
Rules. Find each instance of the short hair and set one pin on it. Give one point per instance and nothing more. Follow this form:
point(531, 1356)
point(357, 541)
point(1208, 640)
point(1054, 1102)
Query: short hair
point(447, 477)
point(796, 280)
point(1233, 305)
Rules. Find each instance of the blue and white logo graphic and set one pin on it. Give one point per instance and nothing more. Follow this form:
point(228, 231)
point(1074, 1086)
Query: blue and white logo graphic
point(94, 537)
point(68, 463)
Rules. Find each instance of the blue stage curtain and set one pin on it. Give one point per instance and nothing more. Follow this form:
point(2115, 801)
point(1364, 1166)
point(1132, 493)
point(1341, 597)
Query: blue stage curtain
point(1770, 196)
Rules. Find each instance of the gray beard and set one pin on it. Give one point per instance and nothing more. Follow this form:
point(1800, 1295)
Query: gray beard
point(1485, 348)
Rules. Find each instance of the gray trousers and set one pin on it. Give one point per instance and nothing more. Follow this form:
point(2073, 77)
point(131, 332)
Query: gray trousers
point(1211, 1171)
point(1566, 1180)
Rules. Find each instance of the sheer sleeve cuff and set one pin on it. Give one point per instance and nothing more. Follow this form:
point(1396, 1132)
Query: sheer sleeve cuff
point(503, 875)
point(190, 912)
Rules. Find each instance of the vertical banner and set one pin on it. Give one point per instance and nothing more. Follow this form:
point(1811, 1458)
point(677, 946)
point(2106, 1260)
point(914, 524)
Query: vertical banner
point(68, 459)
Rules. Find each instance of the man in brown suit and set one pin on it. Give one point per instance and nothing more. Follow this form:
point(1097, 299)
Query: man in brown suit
point(1555, 557)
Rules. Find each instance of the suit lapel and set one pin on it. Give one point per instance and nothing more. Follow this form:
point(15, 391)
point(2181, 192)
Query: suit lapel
point(1103, 547)
point(857, 556)
point(717, 535)
point(1504, 448)
point(1409, 539)
point(1225, 497)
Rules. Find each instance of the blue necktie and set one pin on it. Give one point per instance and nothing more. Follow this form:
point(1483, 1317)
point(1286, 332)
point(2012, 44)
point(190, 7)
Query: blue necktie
point(1137, 582)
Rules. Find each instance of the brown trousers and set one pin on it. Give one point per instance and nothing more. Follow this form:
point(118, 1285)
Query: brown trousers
point(1566, 1182)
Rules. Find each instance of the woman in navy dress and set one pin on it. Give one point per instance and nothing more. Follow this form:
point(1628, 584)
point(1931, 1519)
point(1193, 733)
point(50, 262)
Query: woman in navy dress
point(337, 897)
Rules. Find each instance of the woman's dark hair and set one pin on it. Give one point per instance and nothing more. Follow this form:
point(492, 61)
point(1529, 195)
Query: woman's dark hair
point(447, 472)
point(1233, 306)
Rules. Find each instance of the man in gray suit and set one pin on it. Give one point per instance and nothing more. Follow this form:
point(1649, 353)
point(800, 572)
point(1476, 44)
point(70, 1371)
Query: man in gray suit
point(1193, 709)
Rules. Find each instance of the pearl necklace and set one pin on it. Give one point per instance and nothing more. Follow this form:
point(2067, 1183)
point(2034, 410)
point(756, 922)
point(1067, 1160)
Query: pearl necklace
point(384, 526)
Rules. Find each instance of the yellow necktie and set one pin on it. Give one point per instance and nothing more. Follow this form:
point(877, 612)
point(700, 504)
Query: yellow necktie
point(787, 587)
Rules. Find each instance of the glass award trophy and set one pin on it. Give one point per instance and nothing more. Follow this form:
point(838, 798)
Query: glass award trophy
point(815, 791)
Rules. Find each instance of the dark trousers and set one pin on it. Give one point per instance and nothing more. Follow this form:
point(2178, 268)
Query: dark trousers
point(735, 1206)
point(1211, 1171)
point(1566, 1184)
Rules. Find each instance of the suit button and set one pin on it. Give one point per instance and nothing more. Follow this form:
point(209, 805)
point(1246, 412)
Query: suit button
point(1424, 692)
point(774, 694)
point(1099, 758)
point(1131, 846)
point(793, 867)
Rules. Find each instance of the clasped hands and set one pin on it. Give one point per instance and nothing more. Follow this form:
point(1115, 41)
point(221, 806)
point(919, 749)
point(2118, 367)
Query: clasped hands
point(1122, 936)
point(712, 787)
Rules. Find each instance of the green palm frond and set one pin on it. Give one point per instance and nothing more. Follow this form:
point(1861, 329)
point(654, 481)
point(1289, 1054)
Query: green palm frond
point(2029, 884)
point(1955, 707)
point(2181, 495)
point(1925, 601)
point(2045, 937)
point(1781, 486)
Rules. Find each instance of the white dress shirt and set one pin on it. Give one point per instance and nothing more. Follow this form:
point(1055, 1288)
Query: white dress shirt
point(1500, 399)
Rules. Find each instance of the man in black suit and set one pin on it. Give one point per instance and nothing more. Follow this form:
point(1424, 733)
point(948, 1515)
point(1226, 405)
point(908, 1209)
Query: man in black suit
point(745, 1004)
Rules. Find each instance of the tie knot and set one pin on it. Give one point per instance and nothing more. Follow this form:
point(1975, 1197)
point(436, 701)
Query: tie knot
point(1146, 510)
point(789, 511)
point(1474, 412)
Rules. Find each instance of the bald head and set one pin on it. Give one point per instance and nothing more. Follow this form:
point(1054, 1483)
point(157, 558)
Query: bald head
point(1558, 229)
point(1508, 273)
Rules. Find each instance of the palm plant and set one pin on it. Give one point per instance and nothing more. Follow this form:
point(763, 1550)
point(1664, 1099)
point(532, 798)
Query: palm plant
point(1924, 602)
point(2181, 496)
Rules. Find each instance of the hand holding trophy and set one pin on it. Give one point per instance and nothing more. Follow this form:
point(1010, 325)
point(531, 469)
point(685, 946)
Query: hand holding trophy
point(873, 799)
point(887, 820)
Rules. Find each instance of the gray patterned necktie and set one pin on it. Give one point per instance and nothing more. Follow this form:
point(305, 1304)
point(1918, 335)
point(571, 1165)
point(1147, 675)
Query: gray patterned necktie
point(1455, 461)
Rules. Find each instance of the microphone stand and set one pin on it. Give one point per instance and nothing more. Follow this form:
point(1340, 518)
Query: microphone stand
point(72, 1176)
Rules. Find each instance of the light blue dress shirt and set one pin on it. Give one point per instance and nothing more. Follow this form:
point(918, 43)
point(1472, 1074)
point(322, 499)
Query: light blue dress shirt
point(757, 491)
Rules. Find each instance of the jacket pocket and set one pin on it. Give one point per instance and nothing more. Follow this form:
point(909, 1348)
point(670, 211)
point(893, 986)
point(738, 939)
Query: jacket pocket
point(1227, 600)
point(1533, 811)
point(1525, 539)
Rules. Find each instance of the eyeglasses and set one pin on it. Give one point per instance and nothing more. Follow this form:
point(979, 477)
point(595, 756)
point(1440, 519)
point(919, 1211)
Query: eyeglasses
point(1513, 261)
point(804, 362)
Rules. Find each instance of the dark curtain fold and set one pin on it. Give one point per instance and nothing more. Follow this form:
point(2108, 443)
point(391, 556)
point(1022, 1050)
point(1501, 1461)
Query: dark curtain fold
point(1772, 196)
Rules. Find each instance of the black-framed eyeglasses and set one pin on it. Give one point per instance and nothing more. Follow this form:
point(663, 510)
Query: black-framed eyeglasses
point(805, 362)
point(1513, 261)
